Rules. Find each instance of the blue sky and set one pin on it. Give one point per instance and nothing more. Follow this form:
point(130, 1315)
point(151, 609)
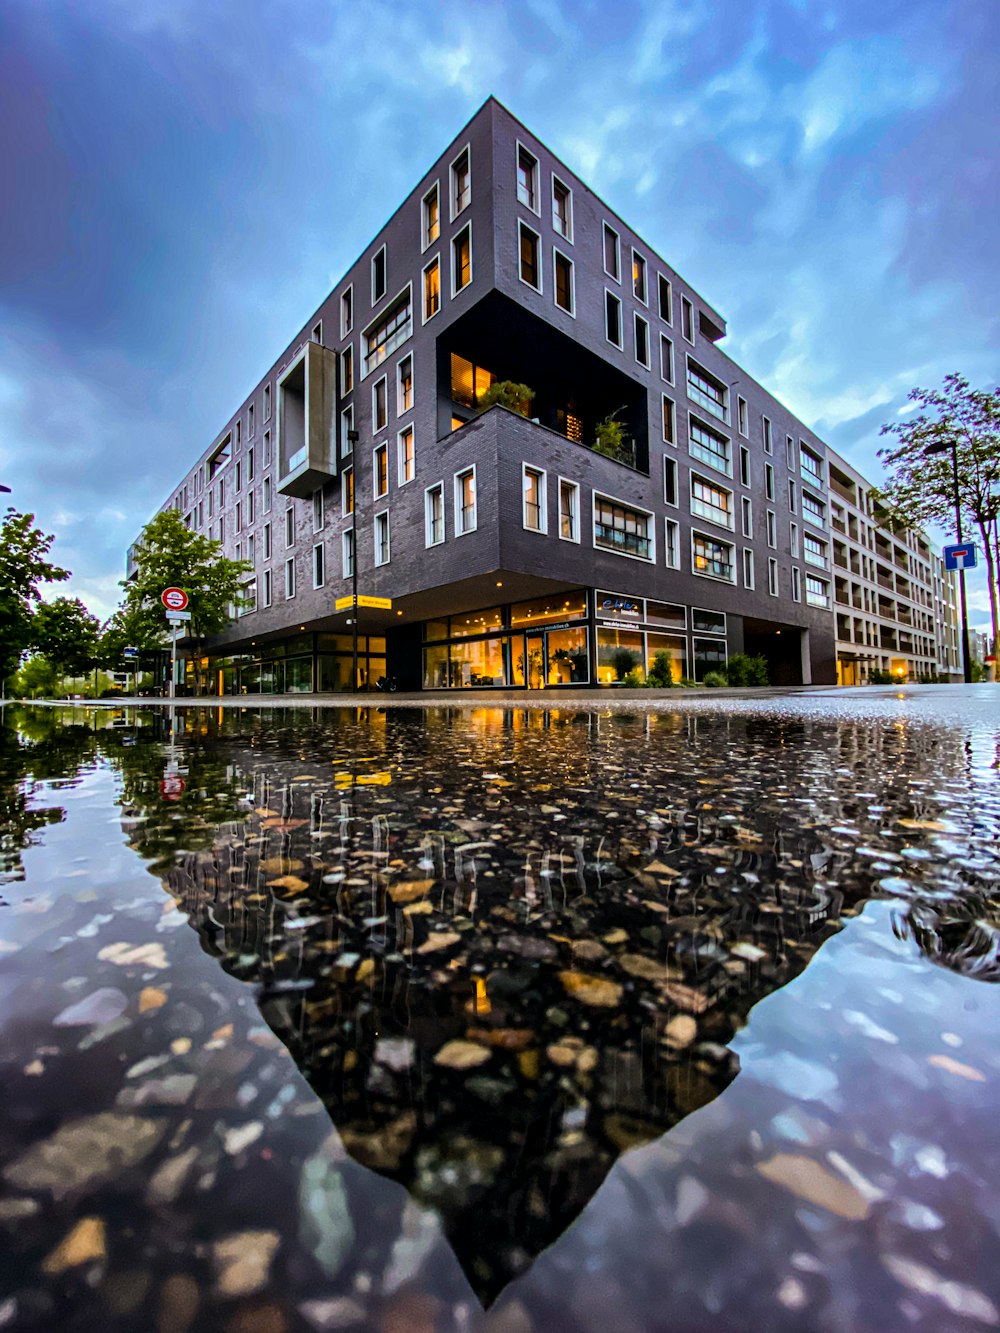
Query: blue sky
point(183, 183)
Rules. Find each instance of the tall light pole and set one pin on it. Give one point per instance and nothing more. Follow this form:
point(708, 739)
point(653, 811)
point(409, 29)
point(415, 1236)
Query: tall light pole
point(944, 447)
point(353, 436)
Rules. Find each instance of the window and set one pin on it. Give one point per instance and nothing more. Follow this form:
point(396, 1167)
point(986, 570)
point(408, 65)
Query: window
point(380, 405)
point(380, 471)
point(347, 492)
point(791, 495)
point(346, 431)
point(461, 259)
point(404, 456)
point(347, 369)
point(748, 574)
point(250, 461)
point(319, 566)
point(382, 538)
point(772, 576)
point(569, 511)
point(612, 253)
point(711, 558)
point(814, 550)
point(711, 501)
point(529, 270)
point(744, 466)
point(468, 382)
point(430, 217)
point(461, 183)
point(317, 336)
point(562, 209)
point(239, 432)
point(817, 591)
point(793, 539)
point(669, 421)
point(267, 402)
point(404, 385)
point(289, 527)
point(250, 422)
point(267, 587)
point(639, 277)
point(347, 553)
point(811, 464)
point(796, 584)
point(664, 295)
point(765, 423)
point(219, 459)
point(641, 335)
point(705, 389)
point(265, 495)
point(746, 512)
point(687, 320)
point(666, 359)
point(772, 530)
point(769, 481)
point(563, 282)
point(251, 549)
point(613, 318)
point(237, 517)
point(465, 501)
point(249, 597)
point(238, 477)
point(317, 508)
point(378, 275)
point(619, 528)
point(386, 334)
point(432, 289)
point(267, 541)
point(347, 312)
point(813, 509)
point(673, 548)
point(533, 489)
point(789, 453)
point(708, 445)
point(289, 578)
point(741, 415)
point(434, 515)
point(527, 179)
point(250, 507)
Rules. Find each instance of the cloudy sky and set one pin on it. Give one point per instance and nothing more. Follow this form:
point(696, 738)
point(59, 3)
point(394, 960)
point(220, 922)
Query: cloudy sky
point(182, 183)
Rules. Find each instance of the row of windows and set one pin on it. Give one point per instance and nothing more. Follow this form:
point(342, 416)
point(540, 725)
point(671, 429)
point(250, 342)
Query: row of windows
point(528, 193)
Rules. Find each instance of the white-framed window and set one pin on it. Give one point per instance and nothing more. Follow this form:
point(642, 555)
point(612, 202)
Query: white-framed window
point(796, 584)
point(238, 517)
point(529, 265)
point(710, 446)
point(289, 578)
point(641, 339)
point(250, 507)
point(562, 209)
point(380, 471)
point(251, 549)
point(527, 180)
point(265, 495)
point(317, 336)
point(712, 558)
point(746, 515)
point(563, 282)
point(318, 510)
point(789, 453)
point(623, 529)
point(744, 465)
point(772, 530)
point(533, 502)
point(266, 530)
point(666, 359)
point(432, 289)
point(430, 217)
point(404, 386)
point(612, 253)
point(250, 461)
point(405, 461)
point(267, 448)
point(765, 427)
point(249, 597)
point(238, 477)
point(639, 277)
point(687, 320)
point(817, 591)
point(612, 318)
point(347, 553)
point(711, 501)
point(465, 501)
point(347, 311)
point(772, 576)
point(813, 509)
point(389, 331)
point(380, 404)
point(669, 420)
point(239, 432)
point(748, 571)
point(793, 539)
point(461, 182)
point(347, 492)
point(267, 402)
point(791, 494)
point(769, 481)
point(319, 565)
point(251, 423)
point(382, 538)
point(569, 510)
point(671, 491)
point(811, 465)
point(708, 390)
point(346, 431)
point(267, 587)
point(461, 259)
point(741, 416)
point(347, 369)
point(672, 547)
point(814, 551)
point(289, 527)
point(665, 303)
point(434, 515)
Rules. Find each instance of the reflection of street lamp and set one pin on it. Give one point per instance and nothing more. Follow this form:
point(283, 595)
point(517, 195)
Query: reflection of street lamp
point(944, 447)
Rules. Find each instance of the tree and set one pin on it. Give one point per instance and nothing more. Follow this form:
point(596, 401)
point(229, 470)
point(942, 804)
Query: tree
point(168, 554)
point(66, 635)
point(23, 567)
point(922, 487)
point(37, 676)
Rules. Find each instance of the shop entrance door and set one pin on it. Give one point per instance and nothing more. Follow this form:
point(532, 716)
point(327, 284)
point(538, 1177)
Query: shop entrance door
point(529, 660)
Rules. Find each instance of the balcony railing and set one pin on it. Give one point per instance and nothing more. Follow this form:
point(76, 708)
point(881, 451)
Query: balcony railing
point(614, 539)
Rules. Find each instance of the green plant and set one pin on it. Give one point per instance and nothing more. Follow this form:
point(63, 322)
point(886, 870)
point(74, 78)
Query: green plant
point(610, 438)
point(713, 679)
point(742, 669)
point(623, 660)
point(661, 674)
point(878, 677)
point(687, 683)
point(510, 394)
point(632, 680)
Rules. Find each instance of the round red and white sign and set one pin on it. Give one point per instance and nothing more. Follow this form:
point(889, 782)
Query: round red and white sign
point(174, 599)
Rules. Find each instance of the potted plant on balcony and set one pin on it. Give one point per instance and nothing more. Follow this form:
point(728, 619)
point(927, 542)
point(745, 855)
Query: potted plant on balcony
point(610, 439)
point(510, 394)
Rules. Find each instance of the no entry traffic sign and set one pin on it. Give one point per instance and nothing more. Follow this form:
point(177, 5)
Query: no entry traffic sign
point(174, 599)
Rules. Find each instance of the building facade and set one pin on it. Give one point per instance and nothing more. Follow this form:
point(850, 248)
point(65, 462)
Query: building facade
point(516, 418)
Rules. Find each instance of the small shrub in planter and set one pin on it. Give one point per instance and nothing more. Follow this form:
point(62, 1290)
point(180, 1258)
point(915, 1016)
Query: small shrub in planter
point(632, 680)
point(660, 674)
point(623, 660)
point(687, 683)
point(713, 679)
point(877, 677)
point(508, 393)
point(611, 440)
point(744, 670)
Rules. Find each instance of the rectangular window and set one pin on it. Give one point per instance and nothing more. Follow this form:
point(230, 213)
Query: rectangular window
point(746, 510)
point(563, 282)
point(748, 574)
point(382, 538)
point(238, 477)
point(347, 312)
point(347, 492)
point(527, 179)
point(744, 466)
point(319, 566)
point(791, 495)
point(266, 495)
point(813, 509)
point(380, 471)
point(569, 511)
point(238, 517)
point(666, 359)
point(267, 541)
point(378, 276)
point(533, 488)
point(670, 493)
point(741, 414)
point(346, 431)
point(639, 277)
point(769, 481)
point(765, 423)
point(465, 501)
point(404, 385)
point(613, 318)
point(796, 584)
point(404, 455)
point(687, 320)
point(461, 260)
point(622, 529)
point(249, 597)
point(347, 553)
point(267, 402)
point(250, 465)
point(430, 217)
point(669, 421)
point(529, 269)
point(665, 299)
point(434, 515)
point(673, 548)
point(814, 551)
point(793, 539)
point(251, 549)
point(789, 453)
point(317, 509)
point(289, 578)
point(711, 558)
point(711, 447)
point(705, 389)
point(267, 587)
point(347, 369)
point(289, 527)
point(612, 253)
point(772, 530)
point(251, 427)
point(239, 432)
point(432, 289)
point(641, 335)
point(817, 591)
point(811, 465)
point(250, 507)
point(461, 183)
point(772, 576)
point(711, 501)
point(562, 209)
point(380, 405)
point(389, 331)
point(317, 334)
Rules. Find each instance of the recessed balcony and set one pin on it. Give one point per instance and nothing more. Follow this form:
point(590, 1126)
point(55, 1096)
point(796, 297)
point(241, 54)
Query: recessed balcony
point(306, 426)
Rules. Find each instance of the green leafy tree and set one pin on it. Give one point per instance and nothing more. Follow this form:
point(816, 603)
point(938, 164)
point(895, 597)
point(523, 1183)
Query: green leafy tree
point(66, 635)
point(168, 554)
point(922, 484)
point(507, 393)
point(23, 568)
point(35, 679)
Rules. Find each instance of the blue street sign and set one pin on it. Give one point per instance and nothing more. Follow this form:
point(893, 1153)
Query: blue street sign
point(128, 653)
point(960, 556)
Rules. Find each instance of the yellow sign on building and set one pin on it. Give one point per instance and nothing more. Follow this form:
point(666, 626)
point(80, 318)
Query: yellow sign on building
point(373, 603)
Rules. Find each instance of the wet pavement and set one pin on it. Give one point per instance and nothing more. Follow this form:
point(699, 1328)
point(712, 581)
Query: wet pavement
point(677, 1014)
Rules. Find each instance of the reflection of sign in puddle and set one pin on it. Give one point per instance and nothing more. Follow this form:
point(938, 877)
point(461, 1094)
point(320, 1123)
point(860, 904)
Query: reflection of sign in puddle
point(344, 780)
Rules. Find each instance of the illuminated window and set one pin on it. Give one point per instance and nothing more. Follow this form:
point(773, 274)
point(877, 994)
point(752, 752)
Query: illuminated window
point(432, 289)
point(386, 334)
point(622, 529)
point(711, 501)
point(431, 217)
point(380, 471)
point(404, 455)
point(404, 385)
point(712, 558)
point(465, 501)
point(562, 209)
point(639, 277)
point(529, 268)
point(533, 515)
point(461, 259)
point(347, 492)
point(563, 284)
point(569, 511)
point(461, 183)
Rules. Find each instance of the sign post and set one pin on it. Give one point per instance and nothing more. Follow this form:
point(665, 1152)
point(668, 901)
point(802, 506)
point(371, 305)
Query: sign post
point(175, 600)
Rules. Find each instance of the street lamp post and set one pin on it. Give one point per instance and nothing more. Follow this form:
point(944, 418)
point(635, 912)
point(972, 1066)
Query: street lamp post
point(353, 437)
point(944, 447)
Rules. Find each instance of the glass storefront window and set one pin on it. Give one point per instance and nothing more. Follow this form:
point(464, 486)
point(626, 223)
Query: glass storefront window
point(665, 614)
point(560, 606)
point(617, 606)
point(619, 651)
point(668, 643)
point(475, 622)
point(708, 622)
point(709, 655)
point(298, 675)
point(435, 629)
point(436, 667)
point(477, 664)
point(569, 661)
point(333, 674)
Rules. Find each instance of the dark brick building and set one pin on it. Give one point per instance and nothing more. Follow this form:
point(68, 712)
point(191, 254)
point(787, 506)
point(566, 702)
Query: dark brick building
point(514, 552)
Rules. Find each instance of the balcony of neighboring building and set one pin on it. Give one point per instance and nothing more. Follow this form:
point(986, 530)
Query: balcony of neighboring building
point(842, 485)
